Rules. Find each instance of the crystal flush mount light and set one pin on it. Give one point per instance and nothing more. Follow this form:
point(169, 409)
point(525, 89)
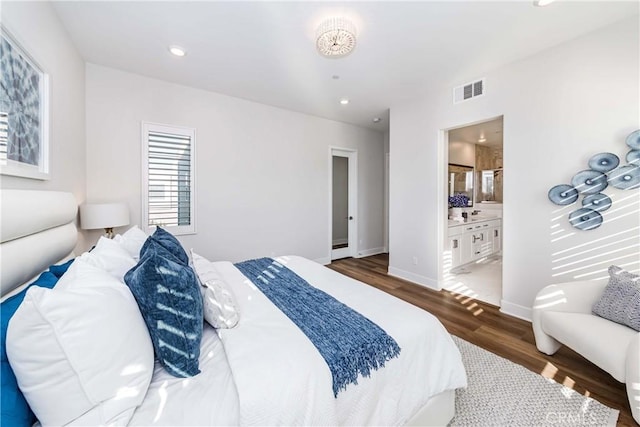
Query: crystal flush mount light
point(336, 37)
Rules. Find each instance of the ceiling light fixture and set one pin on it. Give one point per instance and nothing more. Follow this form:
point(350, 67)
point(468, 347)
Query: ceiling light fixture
point(482, 139)
point(344, 101)
point(542, 3)
point(177, 51)
point(336, 37)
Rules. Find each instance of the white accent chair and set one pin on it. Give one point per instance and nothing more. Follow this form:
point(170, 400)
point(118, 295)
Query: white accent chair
point(562, 315)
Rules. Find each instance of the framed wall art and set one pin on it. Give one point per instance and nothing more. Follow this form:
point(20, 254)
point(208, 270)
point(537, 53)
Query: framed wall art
point(24, 112)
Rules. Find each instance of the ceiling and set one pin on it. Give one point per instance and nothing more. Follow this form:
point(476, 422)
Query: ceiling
point(491, 131)
point(265, 51)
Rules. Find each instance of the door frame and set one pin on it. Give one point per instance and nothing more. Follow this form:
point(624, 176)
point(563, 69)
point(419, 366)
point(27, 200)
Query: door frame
point(386, 201)
point(443, 192)
point(352, 248)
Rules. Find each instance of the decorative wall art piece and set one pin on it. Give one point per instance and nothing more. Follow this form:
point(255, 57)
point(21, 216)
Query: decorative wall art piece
point(563, 194)
point(23, 112)
point(604, 170)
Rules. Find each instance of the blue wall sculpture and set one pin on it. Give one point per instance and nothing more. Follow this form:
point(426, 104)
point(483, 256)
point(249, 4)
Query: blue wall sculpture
point(604, 170)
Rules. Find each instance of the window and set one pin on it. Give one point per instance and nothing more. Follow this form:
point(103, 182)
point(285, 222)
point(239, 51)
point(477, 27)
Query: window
point(168, 178)
point(4, 137)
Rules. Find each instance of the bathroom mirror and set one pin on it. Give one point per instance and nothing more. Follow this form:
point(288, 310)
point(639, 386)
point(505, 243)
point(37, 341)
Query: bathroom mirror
point(461, 181)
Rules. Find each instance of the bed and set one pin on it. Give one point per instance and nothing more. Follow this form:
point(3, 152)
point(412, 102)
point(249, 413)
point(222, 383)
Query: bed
point(263, 371)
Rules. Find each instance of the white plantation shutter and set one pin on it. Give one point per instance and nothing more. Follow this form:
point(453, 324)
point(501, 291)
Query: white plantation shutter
point(4, 137)
point(168, 178)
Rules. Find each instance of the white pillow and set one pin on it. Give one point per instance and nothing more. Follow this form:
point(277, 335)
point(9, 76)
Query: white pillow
point(111, 257)
point(219, 305)
point(81, 351)
point(132, 241)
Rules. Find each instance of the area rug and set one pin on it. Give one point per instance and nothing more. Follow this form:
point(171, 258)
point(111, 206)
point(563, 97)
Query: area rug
point(502, 393)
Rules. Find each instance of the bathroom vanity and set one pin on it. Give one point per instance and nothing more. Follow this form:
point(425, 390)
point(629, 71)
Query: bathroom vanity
point(476, 238)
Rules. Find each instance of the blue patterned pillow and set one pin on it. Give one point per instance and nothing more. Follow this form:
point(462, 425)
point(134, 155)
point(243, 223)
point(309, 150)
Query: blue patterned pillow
point(168, 242)
point(620, 301)
point(169, 298)
point(15, 409)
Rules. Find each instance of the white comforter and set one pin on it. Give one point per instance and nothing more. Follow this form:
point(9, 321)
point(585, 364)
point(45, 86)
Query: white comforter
point(208, 399)
point(281, 378)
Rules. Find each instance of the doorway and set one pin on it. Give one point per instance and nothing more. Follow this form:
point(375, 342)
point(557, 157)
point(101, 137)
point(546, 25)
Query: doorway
point(343, 203)
point(472, 261)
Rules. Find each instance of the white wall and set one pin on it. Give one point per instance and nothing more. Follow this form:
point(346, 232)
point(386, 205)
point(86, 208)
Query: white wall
point(36, 27)
point(386, 192)
point(560, 107)
point(262, 173)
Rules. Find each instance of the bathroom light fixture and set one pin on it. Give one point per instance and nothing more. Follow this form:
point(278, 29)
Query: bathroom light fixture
point(177, 51)
point(344, 101)
point(336, 37)
point(542, 3)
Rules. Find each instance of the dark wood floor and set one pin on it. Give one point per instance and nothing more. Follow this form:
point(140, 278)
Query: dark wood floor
point(483, 324)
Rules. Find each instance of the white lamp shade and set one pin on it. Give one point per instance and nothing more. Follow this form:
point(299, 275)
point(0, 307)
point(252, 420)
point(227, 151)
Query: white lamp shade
point(103, 215)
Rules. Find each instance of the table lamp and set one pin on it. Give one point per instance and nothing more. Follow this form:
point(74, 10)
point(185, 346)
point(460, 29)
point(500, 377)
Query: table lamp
point(104, 215)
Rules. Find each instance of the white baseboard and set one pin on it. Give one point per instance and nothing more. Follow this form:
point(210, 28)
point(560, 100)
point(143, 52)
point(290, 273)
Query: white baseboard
point(414, 278)
point(369, 252)
point(323, 261)
point(516, 310)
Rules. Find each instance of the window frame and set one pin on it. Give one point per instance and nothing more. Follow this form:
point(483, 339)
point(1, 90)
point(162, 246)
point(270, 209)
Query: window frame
point(149, 127)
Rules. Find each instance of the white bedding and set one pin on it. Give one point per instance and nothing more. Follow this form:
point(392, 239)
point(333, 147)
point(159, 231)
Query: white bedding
point(208, 399)
point(282, 379)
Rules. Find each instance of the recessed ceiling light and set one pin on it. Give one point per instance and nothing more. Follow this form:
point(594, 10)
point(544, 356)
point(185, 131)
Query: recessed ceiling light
point(542, 3)
point(482, 140)
point(177, 50)
point(344, 101)
point(377, 120)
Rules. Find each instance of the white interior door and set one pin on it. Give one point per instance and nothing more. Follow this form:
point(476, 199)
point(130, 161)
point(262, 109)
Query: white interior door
point(343, 201)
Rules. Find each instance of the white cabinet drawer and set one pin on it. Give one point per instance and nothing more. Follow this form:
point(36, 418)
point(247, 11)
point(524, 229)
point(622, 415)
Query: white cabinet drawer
point(474, 240)
point(456, 231)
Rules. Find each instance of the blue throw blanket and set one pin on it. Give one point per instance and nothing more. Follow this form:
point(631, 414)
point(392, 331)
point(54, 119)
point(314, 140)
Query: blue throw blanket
point(349, 342)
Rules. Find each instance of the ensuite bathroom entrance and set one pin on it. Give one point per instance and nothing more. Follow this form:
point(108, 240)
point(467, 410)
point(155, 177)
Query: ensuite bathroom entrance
point(472, 261)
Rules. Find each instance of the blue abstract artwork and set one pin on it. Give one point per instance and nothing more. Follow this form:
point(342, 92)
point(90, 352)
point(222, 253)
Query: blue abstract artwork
point(604, 171)
point(22, 108)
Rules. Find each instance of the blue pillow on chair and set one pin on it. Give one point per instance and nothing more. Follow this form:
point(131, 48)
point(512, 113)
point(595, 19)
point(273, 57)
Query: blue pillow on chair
point(15, 409)
point(169, 298)
point(169, 242)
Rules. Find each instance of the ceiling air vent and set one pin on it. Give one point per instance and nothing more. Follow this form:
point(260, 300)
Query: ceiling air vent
point(468, 91)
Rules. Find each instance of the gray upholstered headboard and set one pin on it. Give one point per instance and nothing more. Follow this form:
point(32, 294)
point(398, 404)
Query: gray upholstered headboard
point(37, 229)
